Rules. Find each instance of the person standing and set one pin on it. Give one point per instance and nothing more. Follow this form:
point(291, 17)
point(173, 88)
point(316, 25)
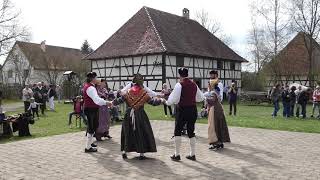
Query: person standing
point(286, 101)
point(104, 115)
point(293, 98)
point(218, 131)
point(59, 93)
point(303, 100)
point(232, 95)
point(215, 75)
point(275, 97)
point(298, 106)
point(41, 97)
point(166, 93)
point(136, 132)
point(27, 94)
point(51, 94)
point(91, 107)
point(316, 101)
point(185, 94)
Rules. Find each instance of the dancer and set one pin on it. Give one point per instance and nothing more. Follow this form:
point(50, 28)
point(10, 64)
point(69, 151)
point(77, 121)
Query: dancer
point(91, 107)
point(104, 115)
point(136, 133)
point(165, 94)
point(215, 75)
point(218, 132)
point(185, 94)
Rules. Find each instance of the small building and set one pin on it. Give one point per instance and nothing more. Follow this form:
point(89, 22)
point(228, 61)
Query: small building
point(292, 64)
point(156, 43)
point(29, 63)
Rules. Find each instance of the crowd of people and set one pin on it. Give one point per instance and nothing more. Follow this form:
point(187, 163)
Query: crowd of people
point(294, 100)
point(137, 134)
point(37, 96)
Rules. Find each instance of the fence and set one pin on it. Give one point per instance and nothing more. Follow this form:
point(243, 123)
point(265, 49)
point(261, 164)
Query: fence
point(11, 91)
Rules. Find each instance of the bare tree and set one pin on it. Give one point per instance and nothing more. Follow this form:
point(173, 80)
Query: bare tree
point(306, 15)
point(21, 69)
point(213, 26)
point(11, 28)
point(51, 69)
point(275, 21)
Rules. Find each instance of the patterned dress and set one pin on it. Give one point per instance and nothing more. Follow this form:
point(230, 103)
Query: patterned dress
point(136, 133)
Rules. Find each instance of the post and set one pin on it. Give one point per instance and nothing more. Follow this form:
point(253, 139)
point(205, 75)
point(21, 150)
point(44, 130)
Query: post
point(164, 68)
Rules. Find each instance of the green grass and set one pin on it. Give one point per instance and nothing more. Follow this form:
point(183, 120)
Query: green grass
point(10, 101)
point(248, 116)
point(255, 117)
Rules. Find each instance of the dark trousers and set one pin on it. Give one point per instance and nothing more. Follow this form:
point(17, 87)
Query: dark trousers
point(298, 106)
point(185, 116)
point(276, 108)
point(291, 110)
point(35, 111)
point(43, 107)
point(92, 118)
point(26, 105)
point(304, 110)
point(286, 109)
point(234, 105)
point(165, 109)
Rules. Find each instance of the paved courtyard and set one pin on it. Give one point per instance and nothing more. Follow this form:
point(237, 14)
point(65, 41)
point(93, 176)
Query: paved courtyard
point(253, 154)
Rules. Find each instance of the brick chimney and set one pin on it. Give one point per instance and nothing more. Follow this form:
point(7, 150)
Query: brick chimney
point(43, 45)
point(185, 13)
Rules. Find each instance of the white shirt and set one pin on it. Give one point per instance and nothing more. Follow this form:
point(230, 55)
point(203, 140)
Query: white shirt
point(175, 95)
point(92, 93)
point(33, 105)
point(220, 85)
point(149, 91)
point(27, 94)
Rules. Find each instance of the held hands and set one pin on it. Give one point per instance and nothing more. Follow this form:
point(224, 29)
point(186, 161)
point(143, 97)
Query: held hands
point(109, 104)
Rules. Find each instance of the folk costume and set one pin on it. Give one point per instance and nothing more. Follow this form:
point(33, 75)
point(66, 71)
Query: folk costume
point(218, 132)
point(91, 108)
point(136, 133)
point(185, 94)
point(104, 117)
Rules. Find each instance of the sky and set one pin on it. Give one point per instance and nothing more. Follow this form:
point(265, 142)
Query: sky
point(68, 23)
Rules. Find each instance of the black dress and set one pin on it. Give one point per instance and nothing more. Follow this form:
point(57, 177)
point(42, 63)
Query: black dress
point(137, 135)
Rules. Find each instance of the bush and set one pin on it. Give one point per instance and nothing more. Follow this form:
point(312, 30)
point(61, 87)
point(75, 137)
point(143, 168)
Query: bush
point(252, 81)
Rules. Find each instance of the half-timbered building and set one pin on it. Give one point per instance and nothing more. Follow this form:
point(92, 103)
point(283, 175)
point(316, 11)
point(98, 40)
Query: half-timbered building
point(156, 43)
point(292, 64)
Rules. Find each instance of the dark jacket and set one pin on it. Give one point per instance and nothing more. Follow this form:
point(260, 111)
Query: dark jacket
point(286, 96)
point(293, 97)
point(233, 95)
point(303, 97)
point(52, 92)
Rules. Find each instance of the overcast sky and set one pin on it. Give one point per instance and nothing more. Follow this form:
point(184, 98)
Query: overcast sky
point(69, 22)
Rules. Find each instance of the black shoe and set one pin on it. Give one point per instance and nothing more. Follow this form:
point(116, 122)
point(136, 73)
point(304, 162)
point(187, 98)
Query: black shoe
point(90, 150)
point(93, 145)
point(124, 156)
point(175, 158)
point(142, 157)
point(192, 158)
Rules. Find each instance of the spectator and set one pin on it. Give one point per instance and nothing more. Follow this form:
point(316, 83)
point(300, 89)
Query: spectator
point(59, 93)
point(316, 101)
point(27, 94)
point(51, 94)
point(33, 108)
point(232, 95)
point(292, 100)
point(275, 96)
point(286, 101)
point(303, 100)
point(77, 109)
point(298, 106)
point(41, 96)
point(166, 93)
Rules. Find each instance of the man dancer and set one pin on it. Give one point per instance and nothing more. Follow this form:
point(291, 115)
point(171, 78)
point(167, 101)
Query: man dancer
point(91, 107)
point(185, 94)
point(214, 75)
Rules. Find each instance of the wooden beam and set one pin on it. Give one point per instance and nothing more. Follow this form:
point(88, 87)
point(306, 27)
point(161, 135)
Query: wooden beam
point(163, 68)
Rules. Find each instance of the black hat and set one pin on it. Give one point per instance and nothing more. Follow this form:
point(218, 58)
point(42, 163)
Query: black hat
point(91, 75)
point(183, 72)
point(138, 79)
point(213, 72)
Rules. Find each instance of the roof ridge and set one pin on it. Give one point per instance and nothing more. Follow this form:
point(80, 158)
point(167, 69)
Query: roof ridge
point(48, 45)
point(155, 29)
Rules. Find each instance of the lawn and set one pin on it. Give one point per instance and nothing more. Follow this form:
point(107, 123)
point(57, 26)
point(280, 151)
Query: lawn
point(248, 116)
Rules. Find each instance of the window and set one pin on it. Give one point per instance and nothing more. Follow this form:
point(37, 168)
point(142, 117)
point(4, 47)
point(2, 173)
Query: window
point(10, 74)
point(26, 73)
point(180, 61)
point(219, 64)
point(233, 66)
